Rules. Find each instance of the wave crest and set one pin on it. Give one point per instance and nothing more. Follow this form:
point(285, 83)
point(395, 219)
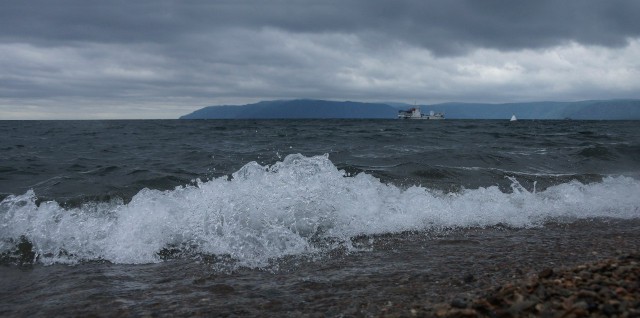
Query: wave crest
point(267, 212)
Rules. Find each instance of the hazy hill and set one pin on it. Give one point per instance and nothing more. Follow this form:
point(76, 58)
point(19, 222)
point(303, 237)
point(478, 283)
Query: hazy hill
point(606, 109)
point(304, 108)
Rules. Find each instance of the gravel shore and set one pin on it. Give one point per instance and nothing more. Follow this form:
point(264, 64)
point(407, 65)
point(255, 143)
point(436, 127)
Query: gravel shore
point(608, 288)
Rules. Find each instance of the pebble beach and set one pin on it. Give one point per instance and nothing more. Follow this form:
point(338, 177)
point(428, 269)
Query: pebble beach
point(608, 288)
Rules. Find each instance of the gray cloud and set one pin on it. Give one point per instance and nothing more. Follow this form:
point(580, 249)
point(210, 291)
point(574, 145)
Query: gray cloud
point(172, 53)
point(441, 26)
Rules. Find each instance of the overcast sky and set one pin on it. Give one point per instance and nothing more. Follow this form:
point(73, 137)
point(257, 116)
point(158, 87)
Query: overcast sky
point(162, 59)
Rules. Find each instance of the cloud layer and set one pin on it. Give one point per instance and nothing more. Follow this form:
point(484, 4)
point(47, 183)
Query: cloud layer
point(161, 59)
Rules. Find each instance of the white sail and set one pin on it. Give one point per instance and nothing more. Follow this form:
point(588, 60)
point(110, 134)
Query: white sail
point(513, 118)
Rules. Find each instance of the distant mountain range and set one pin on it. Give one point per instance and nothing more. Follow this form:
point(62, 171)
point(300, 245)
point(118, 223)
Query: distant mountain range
point(323, 109)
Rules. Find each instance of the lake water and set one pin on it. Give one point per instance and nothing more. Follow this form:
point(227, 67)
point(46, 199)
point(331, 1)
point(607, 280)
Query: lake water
point(328, 217)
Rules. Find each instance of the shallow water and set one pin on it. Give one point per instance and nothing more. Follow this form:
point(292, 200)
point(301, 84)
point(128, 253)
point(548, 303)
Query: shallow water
point(394, 272)
point(289, 217)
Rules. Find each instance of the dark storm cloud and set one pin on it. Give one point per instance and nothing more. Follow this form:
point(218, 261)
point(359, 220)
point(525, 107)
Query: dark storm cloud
point(161, 59)
point(443, 26)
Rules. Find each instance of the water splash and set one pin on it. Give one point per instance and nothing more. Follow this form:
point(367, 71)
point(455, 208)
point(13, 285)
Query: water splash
point(268, 212)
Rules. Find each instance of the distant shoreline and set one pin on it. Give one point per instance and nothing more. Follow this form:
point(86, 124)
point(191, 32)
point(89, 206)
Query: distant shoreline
point(324, 109)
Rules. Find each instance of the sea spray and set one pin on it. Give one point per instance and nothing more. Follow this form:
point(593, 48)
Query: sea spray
point(265, 212)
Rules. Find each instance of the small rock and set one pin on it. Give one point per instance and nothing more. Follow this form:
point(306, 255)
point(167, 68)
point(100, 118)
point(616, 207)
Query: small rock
point(581, 304)
point(621, 291)
point(583, 293)
point(469, 278)
point(459, 302)
point(519, 306)
point(467, 313)
point(609, 310)
point(545, 273)
point(441, 312)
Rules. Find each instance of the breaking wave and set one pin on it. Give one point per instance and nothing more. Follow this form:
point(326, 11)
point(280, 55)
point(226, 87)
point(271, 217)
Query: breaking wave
point(262, 213)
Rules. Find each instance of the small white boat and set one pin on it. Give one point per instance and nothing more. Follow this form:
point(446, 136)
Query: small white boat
point(513, 118)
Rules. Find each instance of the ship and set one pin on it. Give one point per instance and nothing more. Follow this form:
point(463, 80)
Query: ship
point(414, 113)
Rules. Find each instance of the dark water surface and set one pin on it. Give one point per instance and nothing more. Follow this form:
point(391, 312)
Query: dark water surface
point(66, 160)
point(296, 217)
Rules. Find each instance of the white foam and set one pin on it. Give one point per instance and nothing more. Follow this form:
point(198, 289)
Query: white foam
point(266, 212)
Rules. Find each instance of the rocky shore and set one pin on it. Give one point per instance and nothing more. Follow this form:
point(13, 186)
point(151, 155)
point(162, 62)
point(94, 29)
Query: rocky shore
point(609, 288)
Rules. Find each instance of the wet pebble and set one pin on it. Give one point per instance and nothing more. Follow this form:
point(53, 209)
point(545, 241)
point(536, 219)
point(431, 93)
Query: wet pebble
point(606, 288)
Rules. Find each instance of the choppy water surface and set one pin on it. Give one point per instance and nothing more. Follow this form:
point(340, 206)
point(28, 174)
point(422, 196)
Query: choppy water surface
point(290, 217)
